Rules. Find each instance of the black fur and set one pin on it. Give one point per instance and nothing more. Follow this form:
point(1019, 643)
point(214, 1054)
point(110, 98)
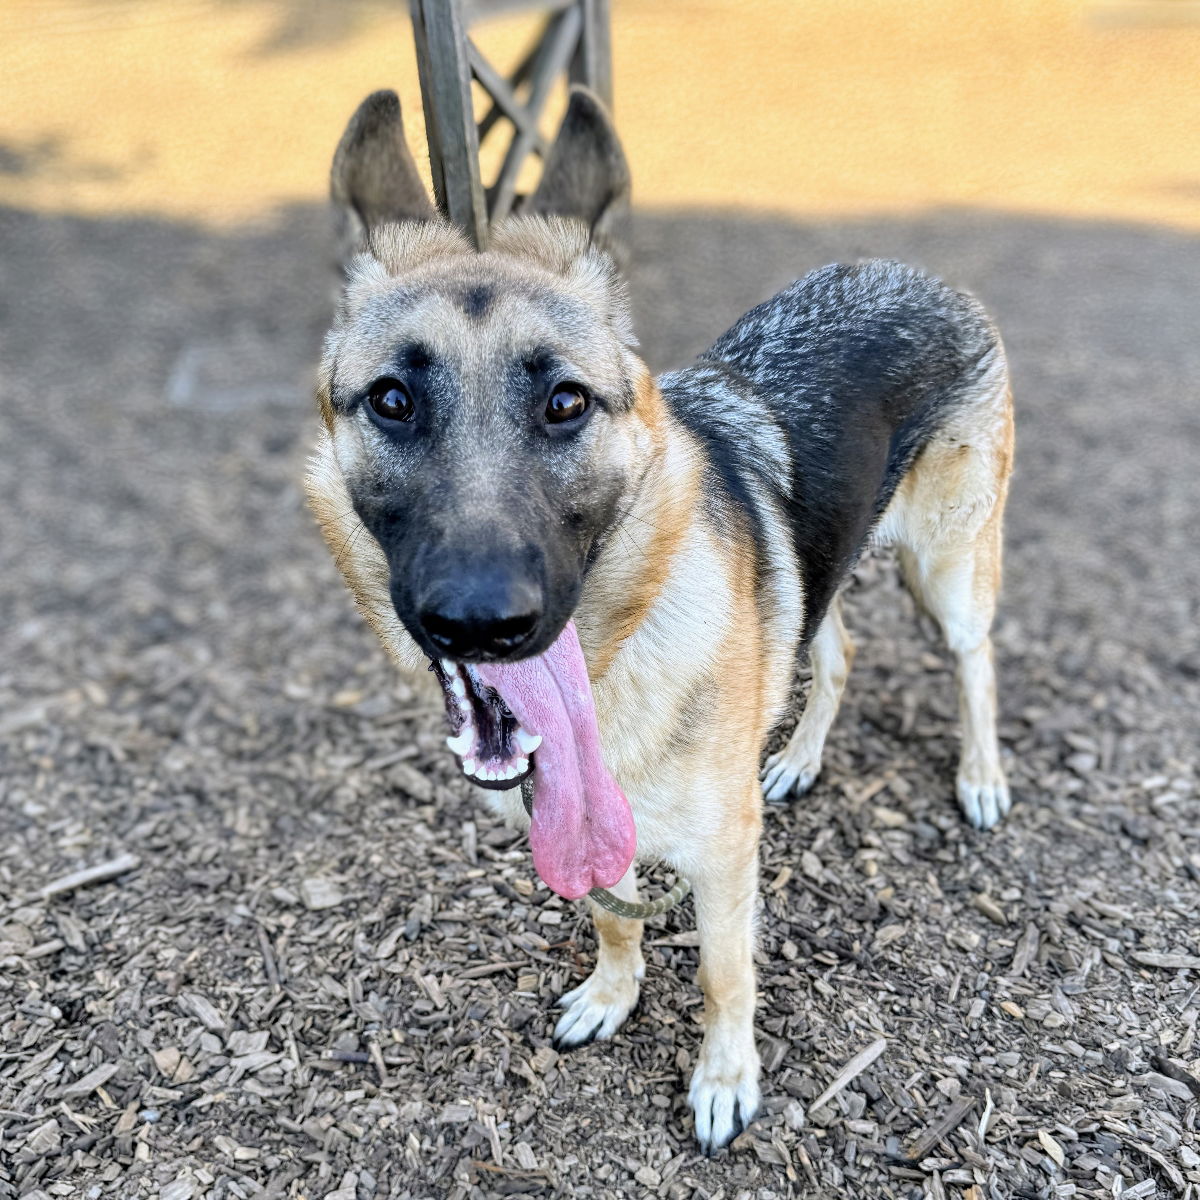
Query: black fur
point(477, 300)
point(857, 366)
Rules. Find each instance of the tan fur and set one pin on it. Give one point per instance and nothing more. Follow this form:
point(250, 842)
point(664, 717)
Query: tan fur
point(624, 593)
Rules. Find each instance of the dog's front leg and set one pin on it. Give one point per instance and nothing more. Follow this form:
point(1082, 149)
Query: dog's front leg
point(598, 1007)
point(724, 1091)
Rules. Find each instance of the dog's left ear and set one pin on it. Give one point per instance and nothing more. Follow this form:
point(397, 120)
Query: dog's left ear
point(586, 176)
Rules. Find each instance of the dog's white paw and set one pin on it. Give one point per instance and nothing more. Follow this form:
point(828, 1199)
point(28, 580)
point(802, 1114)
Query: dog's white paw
point(724, 1100)
point(789, 774)
point(596, 1009)
point(984, 801)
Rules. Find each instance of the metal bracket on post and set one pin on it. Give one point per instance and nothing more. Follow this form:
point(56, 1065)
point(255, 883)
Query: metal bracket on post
point(574, 42)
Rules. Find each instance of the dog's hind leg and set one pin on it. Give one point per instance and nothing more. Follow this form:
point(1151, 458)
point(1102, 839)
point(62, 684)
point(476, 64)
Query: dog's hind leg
point(598, 1007)
point(796, 767)
point(957, 585)
point(946, 520)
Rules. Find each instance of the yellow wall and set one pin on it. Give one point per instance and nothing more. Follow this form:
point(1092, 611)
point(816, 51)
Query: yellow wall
point(808, 107)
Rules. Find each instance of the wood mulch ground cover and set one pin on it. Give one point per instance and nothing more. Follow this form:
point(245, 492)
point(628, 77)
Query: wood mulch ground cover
point(304, 960)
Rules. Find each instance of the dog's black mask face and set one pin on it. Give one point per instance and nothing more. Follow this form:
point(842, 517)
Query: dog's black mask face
point(483, 413)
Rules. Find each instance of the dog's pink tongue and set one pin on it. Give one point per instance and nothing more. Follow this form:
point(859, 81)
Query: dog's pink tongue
point(582, 833)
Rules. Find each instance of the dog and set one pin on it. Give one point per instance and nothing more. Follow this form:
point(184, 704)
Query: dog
point(610, 576)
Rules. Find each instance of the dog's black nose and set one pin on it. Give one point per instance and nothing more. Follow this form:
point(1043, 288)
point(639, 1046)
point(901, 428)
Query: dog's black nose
point(471, 624)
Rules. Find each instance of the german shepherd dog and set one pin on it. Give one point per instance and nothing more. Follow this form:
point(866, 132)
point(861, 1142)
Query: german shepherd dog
point(610, 575)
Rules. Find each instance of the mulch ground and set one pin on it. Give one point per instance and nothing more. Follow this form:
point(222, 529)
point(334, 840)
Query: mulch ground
point(315, 965)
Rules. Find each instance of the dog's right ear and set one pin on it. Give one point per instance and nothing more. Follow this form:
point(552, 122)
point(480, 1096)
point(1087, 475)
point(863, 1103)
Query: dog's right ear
point(374, 179)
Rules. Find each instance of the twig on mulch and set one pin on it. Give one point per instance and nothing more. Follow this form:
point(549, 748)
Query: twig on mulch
point(855, 1067)
point(517, 1180)
point(946, 1124)
point(985, 1119)
point(101, 873)
point(268, 956)
point(346, 1056)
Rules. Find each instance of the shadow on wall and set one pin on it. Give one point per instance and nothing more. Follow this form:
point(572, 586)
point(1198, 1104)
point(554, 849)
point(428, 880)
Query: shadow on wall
point(304, 23)
point(163, 372)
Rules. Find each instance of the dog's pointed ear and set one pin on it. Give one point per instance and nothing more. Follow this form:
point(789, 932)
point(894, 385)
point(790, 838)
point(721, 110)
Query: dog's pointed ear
point(374, 179)
point(586, 175)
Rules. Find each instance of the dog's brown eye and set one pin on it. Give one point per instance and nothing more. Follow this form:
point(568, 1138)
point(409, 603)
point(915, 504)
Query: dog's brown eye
point(567, 402)
point(390, 400)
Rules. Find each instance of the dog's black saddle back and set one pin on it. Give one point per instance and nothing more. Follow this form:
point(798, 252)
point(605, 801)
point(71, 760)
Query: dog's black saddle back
point(821, 398)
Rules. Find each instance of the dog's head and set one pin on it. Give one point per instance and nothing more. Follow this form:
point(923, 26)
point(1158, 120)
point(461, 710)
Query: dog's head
point(483, 407)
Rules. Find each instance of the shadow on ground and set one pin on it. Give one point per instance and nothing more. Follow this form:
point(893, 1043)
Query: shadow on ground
point(182, 678)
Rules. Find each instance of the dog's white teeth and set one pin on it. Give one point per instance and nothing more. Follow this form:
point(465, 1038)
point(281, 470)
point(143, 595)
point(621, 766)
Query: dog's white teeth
point(491, 773)
point(458, 687)
point(522, 765)
point(528, 742)
point(448, 666)
point(511, 772)
point(469, 766)
point(463, 742)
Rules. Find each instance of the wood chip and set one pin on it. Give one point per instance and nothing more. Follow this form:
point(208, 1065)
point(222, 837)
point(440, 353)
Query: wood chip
point(45, 1139)
point(203, 1010)
point(413, 782)
point(1178, 1072)
point(1025, 952)
point(1164, 1083)
point(543, 1059)
point(318, 892)
point(1166, 962)
point(167, 1060)
point(1051, 1147)
point(989, 908)
point(101, 873)
point(95, 1078)
point(781, 880)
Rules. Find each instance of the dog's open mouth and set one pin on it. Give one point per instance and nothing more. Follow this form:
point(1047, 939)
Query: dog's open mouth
point(537, 717)
point(492, 747)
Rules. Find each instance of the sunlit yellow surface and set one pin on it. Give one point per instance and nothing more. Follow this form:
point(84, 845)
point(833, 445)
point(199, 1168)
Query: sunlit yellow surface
point(223, 111)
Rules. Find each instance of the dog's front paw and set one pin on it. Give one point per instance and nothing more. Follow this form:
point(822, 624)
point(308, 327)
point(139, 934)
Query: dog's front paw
point(596, 1009)
point(724, 1100)
point(983, 797)
point(788, 773)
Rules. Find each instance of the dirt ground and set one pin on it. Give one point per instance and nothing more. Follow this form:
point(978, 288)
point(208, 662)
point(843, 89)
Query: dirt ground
point(329, 973)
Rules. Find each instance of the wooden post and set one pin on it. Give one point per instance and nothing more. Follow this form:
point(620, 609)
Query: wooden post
point(575, 42)
point(592, 64)
point(450, 125)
